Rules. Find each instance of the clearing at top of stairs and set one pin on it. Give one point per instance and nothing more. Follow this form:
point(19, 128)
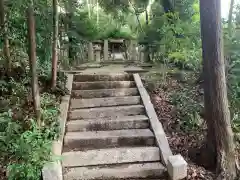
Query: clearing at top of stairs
point(100, 93)
point(107, 139)
point(102, 85)
point(127, 122)
point(102, 112)
point(105, 102)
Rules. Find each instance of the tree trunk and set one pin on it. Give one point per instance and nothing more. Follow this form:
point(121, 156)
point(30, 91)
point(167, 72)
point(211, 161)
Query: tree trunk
point(220, 144)
point(146, 16)
point(33, 64)
point(4, 29)
point(230, 18)
point(147, 53)
point(70, 38)
point(54, 46)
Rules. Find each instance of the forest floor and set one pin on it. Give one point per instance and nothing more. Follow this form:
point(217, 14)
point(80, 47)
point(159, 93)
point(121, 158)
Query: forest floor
point(178, 101)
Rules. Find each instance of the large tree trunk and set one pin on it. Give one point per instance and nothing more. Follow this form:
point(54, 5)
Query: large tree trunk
point(33, 64)
point(4, 29)
point(54, 46)
point(220, 144)
point(230, 18)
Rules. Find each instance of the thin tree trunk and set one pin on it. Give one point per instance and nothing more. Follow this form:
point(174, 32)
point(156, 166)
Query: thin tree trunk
point(97, 13)
point(230, 18)
point(89, 10)
point(220, 144)
point(33, 64)
point(70, 38)
point(147, 53)
point(4, 31)
point(54, 46)
point(146, 16)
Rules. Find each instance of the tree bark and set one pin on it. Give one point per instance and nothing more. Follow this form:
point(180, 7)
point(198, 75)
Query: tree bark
point(54, 45)
point(230, 18)
point(4, 31)
point(33, 64)
point(146, 16)
point(220, 144)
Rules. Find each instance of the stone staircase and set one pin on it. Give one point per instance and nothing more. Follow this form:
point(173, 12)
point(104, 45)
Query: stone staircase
point(108, 133)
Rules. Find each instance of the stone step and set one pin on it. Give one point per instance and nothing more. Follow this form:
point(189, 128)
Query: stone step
point(105, 93)
point(107, 139)
point(103, 77)
point(104, 102)
point(103, 85)
point(128, 122)
point(123, 62)
point(104, 112)
point(110, 156)
point(121, 171)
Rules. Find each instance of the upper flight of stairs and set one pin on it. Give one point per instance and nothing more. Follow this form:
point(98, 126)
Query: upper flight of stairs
point(108, 134)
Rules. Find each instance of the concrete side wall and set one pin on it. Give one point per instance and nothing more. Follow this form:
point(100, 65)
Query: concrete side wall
point(53, 170)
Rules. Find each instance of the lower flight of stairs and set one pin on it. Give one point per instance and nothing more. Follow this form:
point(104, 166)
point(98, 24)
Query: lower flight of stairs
point(108, 134)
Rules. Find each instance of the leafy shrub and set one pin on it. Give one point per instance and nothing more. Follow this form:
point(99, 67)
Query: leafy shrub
point(25, 149)
point(188, 110)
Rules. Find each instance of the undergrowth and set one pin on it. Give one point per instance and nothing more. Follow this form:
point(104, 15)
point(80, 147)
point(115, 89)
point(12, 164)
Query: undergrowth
point(26, 147)
point(186, 95)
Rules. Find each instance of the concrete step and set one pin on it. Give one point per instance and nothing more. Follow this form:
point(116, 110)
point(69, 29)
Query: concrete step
point(105, 93)
point(120, 171)
point(104, 102)
point(107, 139)
point(104, 112)
point(111, 156)
point(123, 62)
point(128, 122)
point(103, 85)
point(103, 77)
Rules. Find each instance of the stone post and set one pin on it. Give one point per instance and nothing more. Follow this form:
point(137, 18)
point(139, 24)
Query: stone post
point(105, 53)
point(98, 54)
point(90, 52)
point(133, 50)
point(142, 54)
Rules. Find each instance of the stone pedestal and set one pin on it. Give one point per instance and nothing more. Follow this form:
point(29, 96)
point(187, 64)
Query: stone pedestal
point(98, 54)
point(141, 54)
point(105, 52)
point(177, 167)
point(90, 52)
point(133, 50)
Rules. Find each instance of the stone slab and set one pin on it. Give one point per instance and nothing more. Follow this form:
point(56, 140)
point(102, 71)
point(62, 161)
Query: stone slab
point(102, 77)
point(120, 171)
point(110, 156)
point(105, 93)
point(106, 139)
point(103, 85)
point(102, 112)
point(105, 102)
point(128, 122)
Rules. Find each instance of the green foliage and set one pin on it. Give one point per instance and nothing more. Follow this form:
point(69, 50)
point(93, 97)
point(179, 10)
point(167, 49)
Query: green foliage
point(173, 40)
point(31, 150)
point(188, 108)
point(25, 147)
